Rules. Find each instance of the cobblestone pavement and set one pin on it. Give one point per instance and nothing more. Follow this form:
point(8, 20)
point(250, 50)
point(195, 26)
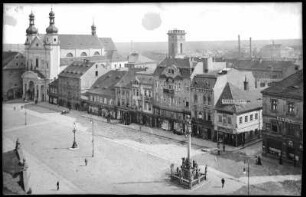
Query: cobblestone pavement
point(126, 161)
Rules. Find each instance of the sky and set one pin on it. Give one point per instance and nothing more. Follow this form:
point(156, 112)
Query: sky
point(150, 22)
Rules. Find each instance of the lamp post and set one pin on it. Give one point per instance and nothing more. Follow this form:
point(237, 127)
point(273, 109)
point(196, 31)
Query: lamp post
point(93, 145)
point(248, 171)
point(25, 116)
point(74, 145)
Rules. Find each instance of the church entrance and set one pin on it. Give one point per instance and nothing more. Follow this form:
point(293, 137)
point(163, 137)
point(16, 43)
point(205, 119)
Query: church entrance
point(30, 91)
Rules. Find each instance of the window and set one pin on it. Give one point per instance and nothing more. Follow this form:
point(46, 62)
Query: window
point(208, 100)
point(251, 117)
point(274, 126)
point(220, 118)
point(246, 119)
point(36, 62)
point(204, 99)
point(268, 126)
point(96, 73)
point(200, 115)
point(69, 55)
point(195, 98)
point(290, 107)
point(83, 54)
point(187, 104)
point(273, 104)
point(240, 120)
point(54, 39)
point(262, 84)
point(96, 53)
point(256, 116)
point(208, 116)
point(96, 65)
point(229, 120)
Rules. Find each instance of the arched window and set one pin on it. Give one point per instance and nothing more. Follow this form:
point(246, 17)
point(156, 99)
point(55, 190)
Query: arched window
point(69, 55)
point(96, 53)
point(83, 54)
point(181, 47)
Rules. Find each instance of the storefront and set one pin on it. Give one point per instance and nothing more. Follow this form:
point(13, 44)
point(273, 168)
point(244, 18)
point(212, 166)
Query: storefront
point(202, 129)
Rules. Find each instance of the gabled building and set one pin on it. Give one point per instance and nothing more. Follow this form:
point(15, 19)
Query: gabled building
point(123, 91)
point(238, 115)
point(205, 91)
point(283, 119)
point(76, 79)
point(101, 95)
point(13, 65)
point(138, 61)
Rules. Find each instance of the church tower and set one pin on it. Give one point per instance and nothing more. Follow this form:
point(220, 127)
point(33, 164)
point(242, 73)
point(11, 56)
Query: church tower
point(93, 30)
point(176, 42)
point(52, 48)
point(31, 30)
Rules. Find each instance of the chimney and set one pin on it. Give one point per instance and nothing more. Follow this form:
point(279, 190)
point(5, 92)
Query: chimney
point(250, 47)
point(239, 45)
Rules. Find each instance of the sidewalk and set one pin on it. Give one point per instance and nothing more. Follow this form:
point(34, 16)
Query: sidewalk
point(201, 143)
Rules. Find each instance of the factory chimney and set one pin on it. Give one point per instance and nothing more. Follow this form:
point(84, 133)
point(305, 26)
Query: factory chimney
point(239, 45)
point(251, 47)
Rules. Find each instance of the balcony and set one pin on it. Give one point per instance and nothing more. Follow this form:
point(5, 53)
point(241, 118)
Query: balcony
point(168, 91)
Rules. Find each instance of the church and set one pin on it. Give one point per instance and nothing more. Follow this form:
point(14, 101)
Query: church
point(46, 55)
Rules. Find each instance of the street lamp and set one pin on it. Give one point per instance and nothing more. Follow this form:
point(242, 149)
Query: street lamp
point(93, 146)
point(248, 171)
point(25, 116)
point(74, 145)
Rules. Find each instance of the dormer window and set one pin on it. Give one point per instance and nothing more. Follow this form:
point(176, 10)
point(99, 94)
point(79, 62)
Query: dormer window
point(54, 39)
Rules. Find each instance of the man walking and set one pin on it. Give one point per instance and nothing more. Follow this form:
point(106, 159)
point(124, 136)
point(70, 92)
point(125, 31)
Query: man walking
point(222, 181)
point(57, 184)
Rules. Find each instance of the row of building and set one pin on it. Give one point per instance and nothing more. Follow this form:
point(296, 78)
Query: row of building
point(223, 99)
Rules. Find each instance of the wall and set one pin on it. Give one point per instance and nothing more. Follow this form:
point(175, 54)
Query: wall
point(250, 125)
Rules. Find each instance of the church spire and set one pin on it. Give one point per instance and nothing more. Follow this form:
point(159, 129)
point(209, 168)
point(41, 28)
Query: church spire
point(31, 29)
point(93, 28)
point(51, 29)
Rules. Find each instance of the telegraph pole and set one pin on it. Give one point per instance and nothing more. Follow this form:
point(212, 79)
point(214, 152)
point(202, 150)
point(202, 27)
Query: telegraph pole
point(93, 146)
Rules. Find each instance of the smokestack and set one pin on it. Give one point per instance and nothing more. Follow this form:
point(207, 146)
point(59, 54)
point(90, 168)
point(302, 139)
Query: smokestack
point(239, 45)
point(250, 47)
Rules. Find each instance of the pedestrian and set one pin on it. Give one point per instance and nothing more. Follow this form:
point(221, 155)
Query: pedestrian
point(223, 147)
point(280, 159)
point(57, 184)
point(85, 162)
point(222, 181)
point(259, 160)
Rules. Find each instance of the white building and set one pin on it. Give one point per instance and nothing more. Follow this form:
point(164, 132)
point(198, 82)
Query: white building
point(238, 115)
point(49, 54)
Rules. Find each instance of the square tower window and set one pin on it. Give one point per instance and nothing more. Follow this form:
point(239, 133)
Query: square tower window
point(54, 39)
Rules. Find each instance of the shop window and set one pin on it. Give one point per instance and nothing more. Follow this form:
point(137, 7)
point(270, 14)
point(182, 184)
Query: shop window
point(274, 127)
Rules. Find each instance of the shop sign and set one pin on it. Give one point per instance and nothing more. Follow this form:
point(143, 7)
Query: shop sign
point(284, 119)
point(274, 149)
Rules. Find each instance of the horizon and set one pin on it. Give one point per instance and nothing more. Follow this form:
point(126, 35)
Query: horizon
point(150, 22)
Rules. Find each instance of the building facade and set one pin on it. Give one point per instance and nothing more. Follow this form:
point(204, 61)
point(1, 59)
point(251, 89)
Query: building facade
point(76, 79)
point(13, 65)
point(101, 96)
point(238, 115)
point(283, 119)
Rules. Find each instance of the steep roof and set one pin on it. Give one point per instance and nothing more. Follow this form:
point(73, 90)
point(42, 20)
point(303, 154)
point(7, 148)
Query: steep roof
point(178, 62)
point(104, 85)
point(137, 58)
point(126, 80)
point(145, 79)
point(290, 87)
point(76, 69)
point(69, 60)
point(108, 44)
point(252, 99)
point(73, 41)
point(114, 56)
